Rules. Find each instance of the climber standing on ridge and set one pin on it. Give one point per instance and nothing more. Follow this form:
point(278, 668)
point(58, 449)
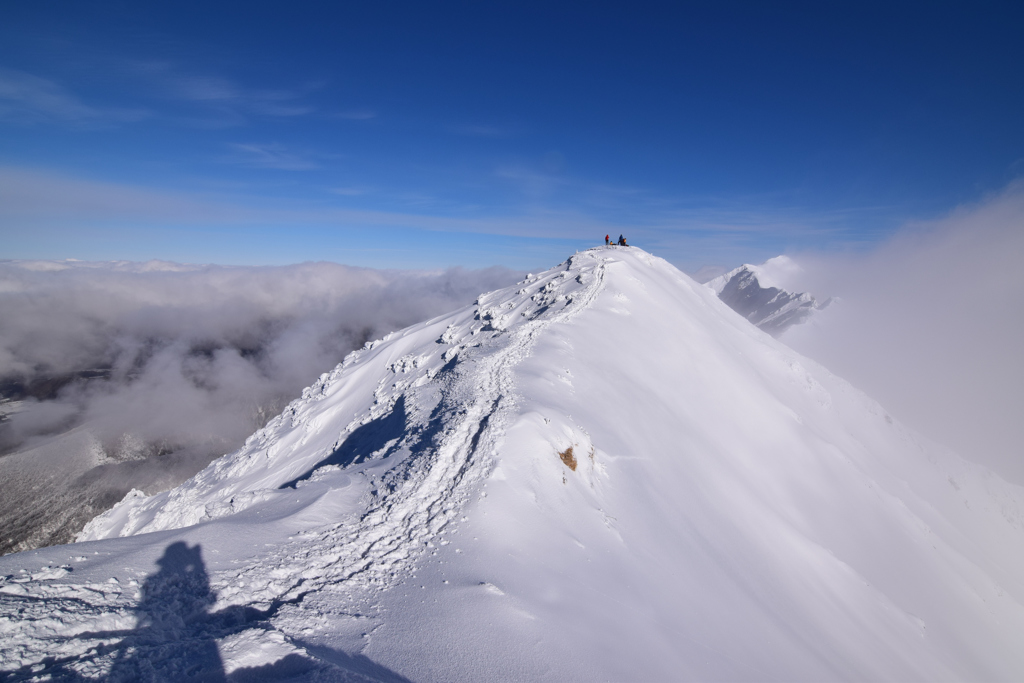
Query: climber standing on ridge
point(607, 239)
point(622, 241)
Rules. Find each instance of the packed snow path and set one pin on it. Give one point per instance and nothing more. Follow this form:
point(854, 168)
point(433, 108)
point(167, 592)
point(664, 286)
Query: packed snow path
point(602, 473)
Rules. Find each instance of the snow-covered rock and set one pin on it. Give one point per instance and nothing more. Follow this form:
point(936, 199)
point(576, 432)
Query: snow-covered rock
point(757, 293)
point(601, 473)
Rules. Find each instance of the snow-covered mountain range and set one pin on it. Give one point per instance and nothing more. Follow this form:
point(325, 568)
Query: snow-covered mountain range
point(601, 473)
point(757, 293)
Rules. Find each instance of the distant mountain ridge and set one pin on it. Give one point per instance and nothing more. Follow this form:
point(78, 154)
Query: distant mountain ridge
point(750, 291)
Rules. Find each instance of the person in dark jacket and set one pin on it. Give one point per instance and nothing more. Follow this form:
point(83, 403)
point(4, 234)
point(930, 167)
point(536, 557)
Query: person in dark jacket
point(622, 241)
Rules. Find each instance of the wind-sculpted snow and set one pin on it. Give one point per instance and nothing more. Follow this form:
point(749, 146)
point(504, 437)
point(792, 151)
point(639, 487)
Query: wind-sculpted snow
point(599, 474)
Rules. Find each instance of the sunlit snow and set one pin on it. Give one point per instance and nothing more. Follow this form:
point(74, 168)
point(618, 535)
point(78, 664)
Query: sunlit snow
point(729, 511)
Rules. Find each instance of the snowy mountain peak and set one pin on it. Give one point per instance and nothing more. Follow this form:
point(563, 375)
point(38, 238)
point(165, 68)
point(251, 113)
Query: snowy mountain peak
point(759, 295)
point(599, 473)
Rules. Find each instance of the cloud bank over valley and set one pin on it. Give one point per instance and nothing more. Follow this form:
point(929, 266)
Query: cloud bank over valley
point(931, 324)
point(135, 375)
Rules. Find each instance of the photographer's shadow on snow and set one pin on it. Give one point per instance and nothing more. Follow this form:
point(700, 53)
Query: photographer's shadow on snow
point(176, 634)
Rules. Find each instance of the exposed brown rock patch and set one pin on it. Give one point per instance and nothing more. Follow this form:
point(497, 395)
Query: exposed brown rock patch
point(568, 458)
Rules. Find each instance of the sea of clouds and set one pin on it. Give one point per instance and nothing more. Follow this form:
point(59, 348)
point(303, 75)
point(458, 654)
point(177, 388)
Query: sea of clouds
point(931, 324)
point(136, 375)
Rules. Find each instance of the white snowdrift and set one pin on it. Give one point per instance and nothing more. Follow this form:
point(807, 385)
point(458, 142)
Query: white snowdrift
point(728, 511)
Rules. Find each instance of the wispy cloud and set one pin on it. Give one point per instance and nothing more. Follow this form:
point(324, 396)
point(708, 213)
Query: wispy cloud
point(34, 197)
point(354, 114)
point(212, 100)
point(222, 92)
point(161, 91)
point(531, 182)
point(270, 156)
point(203, 89)
point(26, 98)
point(482, 130)
point(680, 227)
point(42, 197)
point(349, 191)
point(541, 178)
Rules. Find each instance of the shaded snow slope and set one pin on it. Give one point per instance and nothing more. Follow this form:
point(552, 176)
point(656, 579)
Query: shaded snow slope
point(759, 294)
point(602, 473)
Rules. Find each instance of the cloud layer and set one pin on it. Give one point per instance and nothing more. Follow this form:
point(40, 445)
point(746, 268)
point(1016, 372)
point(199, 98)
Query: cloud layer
point(932, 325)
point(170, 366)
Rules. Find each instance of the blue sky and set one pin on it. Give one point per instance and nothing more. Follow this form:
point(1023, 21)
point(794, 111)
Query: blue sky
point(419, 135)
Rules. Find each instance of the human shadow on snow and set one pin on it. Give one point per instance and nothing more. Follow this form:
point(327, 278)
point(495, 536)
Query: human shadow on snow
point(176, 636)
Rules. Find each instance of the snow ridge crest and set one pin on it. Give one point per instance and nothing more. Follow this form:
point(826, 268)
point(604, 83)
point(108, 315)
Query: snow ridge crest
point(408, 424)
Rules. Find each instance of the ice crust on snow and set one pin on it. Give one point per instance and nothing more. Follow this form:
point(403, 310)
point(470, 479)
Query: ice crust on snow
point(735, 512)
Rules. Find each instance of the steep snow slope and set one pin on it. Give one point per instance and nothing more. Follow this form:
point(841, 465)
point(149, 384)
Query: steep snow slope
point(759, 295)
point(602, 473)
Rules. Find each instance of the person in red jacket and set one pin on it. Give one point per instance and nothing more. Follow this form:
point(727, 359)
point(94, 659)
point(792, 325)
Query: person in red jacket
point(606, 239)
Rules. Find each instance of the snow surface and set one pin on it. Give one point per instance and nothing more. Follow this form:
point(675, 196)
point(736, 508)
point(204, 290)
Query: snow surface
point(729, 511)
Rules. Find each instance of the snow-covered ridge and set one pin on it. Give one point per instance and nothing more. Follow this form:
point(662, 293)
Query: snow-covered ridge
point(758, 294)
point(294, 446)
point(599, 473)
point(406, 425)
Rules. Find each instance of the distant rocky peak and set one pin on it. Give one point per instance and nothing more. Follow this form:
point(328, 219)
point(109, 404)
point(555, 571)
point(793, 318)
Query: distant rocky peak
point(756, 293)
